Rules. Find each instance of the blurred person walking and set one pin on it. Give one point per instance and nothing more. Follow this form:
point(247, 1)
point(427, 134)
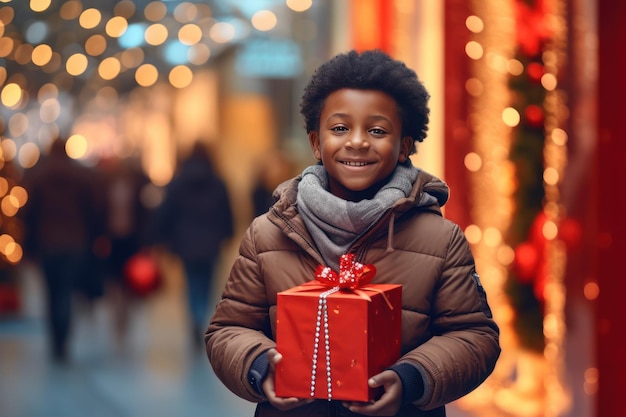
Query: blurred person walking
point(125, 231)
point(193, 221)
point(62, 219)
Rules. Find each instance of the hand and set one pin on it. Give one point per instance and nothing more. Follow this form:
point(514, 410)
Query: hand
point(280, 403)
point(388, 404)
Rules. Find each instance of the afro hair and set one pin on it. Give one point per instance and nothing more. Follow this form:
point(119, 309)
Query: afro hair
point(369, 70)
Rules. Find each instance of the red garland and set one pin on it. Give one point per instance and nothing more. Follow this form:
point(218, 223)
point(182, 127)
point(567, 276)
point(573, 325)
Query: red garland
point(533, 25)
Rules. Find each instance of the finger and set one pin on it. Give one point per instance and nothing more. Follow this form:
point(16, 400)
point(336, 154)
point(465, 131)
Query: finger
point(273, 357)
point(285, 404)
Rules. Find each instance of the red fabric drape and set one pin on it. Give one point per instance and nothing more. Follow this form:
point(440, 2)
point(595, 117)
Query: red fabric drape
point(456, 131)
point(611, 242)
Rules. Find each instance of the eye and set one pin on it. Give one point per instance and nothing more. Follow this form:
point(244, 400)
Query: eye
point(378, 132)
point(338, 129)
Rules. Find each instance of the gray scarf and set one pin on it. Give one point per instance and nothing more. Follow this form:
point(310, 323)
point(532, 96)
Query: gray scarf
point(334, 223)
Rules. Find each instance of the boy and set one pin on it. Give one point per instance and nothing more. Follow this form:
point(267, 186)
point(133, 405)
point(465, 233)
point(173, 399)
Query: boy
point(363, 114)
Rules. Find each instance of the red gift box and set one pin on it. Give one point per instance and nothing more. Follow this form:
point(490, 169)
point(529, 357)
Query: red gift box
point(364, 331)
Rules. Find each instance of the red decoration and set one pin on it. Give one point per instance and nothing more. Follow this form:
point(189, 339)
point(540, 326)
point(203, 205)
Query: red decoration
point(352, 274)
point(142, 274)
point(526, 262)
point(530, 263)
point(535, 71)
point(364, 339)
point(533, 26)
point(570, 232)
point(534, 115)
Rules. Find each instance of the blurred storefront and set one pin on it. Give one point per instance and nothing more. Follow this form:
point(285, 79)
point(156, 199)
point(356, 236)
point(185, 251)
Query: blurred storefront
point(512, 131)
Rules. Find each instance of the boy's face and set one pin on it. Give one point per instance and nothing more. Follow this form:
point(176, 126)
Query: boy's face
point(359, 141)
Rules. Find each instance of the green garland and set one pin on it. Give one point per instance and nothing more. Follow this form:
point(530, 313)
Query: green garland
point(526, 153)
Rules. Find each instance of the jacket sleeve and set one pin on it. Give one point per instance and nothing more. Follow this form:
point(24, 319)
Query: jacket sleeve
point(240, 329)
point(464, 346)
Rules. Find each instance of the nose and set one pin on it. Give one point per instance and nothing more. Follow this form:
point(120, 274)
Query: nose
point(358, 140)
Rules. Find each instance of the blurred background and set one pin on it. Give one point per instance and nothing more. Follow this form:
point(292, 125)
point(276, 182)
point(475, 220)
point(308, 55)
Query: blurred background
point(106, 107)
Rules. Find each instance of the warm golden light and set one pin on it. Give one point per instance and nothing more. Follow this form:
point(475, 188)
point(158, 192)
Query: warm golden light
point(549, 82)
point(132, 58)
point(550, 230)
point(9, 149)
point(15, 254)
point(551, 176)
point(185, 12)
point(47, 91)
point(23, 53)
point(190, 34)
point(5, 239)
point(76, 64)
point(76, 146)
point(180, 76)
point(109, 68)
point(90, 18)
point(510, 117)
point(11, 95)
point(156, 34)
point(474, 87)
point(4, 186)
point(116, 26)
point(39, 5)
point(125, 9)
point(473, 161)
point(9, 205)
point(41, 55)
point(6, 46)
point(28, 155)
point(96, 45)
point(474, 50)
point(20, 194)
point(222, 32)
point(264, 20)
point(18, 124)
point(71, 10)
point(199, 54)
point(50, 110)
point(492, 237)
point(559, 137)
point(505, 255)
point(474, 24)
point(146, 75)
point(155, 11)
point(515, 67)
point(299, 5)
point(473, 234)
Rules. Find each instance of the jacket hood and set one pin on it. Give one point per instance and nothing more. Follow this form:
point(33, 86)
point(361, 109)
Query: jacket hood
point(430, 190)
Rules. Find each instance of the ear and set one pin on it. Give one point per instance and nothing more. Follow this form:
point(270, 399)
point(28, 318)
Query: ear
point(314, 141)
point(406, 143)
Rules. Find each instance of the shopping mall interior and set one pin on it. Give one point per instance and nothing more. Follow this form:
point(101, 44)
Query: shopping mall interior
point(525, 99)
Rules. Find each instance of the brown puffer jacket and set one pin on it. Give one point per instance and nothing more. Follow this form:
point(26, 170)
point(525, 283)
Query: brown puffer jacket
point(447, 329)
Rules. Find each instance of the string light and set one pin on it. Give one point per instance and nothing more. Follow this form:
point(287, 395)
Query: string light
point(493, 183)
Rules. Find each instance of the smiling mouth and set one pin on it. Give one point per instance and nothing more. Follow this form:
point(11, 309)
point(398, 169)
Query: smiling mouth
point(355, 163)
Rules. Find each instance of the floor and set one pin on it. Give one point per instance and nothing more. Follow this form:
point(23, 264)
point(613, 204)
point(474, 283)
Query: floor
point(156, 373)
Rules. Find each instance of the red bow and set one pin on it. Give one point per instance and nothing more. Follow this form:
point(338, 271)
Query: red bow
point(351, 275)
